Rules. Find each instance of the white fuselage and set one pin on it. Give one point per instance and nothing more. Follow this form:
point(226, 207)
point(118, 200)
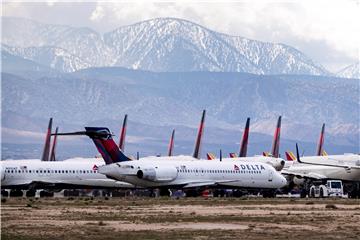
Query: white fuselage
point(277, 163)
point(187, 171)
point(346, 159)
point(73, 172)
point(302, 170)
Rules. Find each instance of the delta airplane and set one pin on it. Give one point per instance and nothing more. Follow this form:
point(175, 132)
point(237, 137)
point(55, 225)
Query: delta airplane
point(323, 158)
point(305, 173)
point(181, 171)
point(322, 170)
point(271, 159)
point(44, 174)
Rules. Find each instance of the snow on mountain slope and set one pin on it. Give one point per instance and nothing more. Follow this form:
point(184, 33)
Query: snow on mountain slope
point(54, 57)
point(352, 71)
point(162, 44)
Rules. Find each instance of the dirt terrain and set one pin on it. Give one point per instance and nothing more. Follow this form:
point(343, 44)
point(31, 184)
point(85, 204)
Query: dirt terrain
point(190, 218)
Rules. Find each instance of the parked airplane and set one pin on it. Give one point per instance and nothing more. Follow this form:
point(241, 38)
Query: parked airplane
point(73, 173)
point(303, 172)
point(181, 171)
point(41, 173)
point(276, 162)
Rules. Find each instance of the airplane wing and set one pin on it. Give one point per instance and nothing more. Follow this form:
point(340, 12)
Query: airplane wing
point(206, 183)
point(311, 175)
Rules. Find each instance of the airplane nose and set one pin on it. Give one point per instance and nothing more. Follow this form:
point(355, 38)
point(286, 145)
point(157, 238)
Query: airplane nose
point(2, 173)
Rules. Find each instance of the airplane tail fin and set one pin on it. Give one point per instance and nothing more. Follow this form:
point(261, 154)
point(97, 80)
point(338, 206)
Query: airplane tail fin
point(276, 141)
point(53, 148)
point(290, 156)
point(210, 156)
point(197, 148)
point(324, 153)
point(320, 145)
point(46, 150)
point(266, 154)
point(171, 144)
point(123, 134)
point(232, 155)
point(245, 139)
point(104, 143)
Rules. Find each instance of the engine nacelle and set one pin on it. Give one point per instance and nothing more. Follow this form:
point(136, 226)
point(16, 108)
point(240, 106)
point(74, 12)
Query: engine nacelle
point(277, 163)
point(158, 174)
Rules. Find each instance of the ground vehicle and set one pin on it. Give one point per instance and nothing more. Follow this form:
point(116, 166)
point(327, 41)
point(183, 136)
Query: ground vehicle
point(333, 188)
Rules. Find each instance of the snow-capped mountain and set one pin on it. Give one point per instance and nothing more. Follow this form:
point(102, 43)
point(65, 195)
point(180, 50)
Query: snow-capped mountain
point(163, 45)
point(352, 71)
point(54, 57)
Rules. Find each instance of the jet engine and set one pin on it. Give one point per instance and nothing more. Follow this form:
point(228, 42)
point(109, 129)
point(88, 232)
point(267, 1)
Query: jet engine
point(277, 163)
point(158, 174)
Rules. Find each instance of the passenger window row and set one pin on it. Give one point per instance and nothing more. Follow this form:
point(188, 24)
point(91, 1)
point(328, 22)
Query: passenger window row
point(52, 171)
point(219, 171)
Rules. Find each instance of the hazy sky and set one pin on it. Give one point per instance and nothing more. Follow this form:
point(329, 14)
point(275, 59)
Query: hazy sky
point(327, 31)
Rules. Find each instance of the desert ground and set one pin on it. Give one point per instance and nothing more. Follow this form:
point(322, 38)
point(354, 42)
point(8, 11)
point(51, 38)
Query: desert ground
point(186, 218)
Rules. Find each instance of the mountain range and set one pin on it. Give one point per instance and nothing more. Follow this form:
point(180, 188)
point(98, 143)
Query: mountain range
point(161, 45)
point(163, 73)
point(159, 102)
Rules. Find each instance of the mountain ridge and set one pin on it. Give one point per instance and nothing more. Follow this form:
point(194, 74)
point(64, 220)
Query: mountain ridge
point(161, 44)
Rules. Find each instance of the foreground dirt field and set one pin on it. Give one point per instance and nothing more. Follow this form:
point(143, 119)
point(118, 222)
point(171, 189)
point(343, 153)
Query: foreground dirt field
point(191, 218)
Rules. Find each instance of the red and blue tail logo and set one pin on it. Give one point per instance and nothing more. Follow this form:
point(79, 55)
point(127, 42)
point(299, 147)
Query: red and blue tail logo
point(106, 145)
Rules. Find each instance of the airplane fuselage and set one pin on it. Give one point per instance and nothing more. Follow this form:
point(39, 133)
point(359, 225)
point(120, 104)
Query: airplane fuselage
point(72, 173)
point(183, 172)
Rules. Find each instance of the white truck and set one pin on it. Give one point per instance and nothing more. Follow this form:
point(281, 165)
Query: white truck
point(332, 188)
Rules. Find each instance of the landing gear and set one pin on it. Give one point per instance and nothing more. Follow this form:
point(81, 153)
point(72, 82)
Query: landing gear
point(4, 193)
point(192, 193)
point(269, 194)
point(16, 193)
point(219, 193)
point(30, 193)
point(45, 193)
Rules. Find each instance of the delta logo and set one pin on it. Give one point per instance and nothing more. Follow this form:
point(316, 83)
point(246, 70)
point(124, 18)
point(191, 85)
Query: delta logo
point(236, 168)
point(95, 168)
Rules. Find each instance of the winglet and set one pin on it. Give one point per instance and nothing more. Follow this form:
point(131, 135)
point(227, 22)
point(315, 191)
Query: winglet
point(245, 139)
point(123, 134)
point(297, 154)
point(46, 150)
point(197, 148)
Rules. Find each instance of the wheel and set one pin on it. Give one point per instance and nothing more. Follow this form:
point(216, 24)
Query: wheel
point(16, 193)
point(303, 193)
point(312, 193)
point(30, 193)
